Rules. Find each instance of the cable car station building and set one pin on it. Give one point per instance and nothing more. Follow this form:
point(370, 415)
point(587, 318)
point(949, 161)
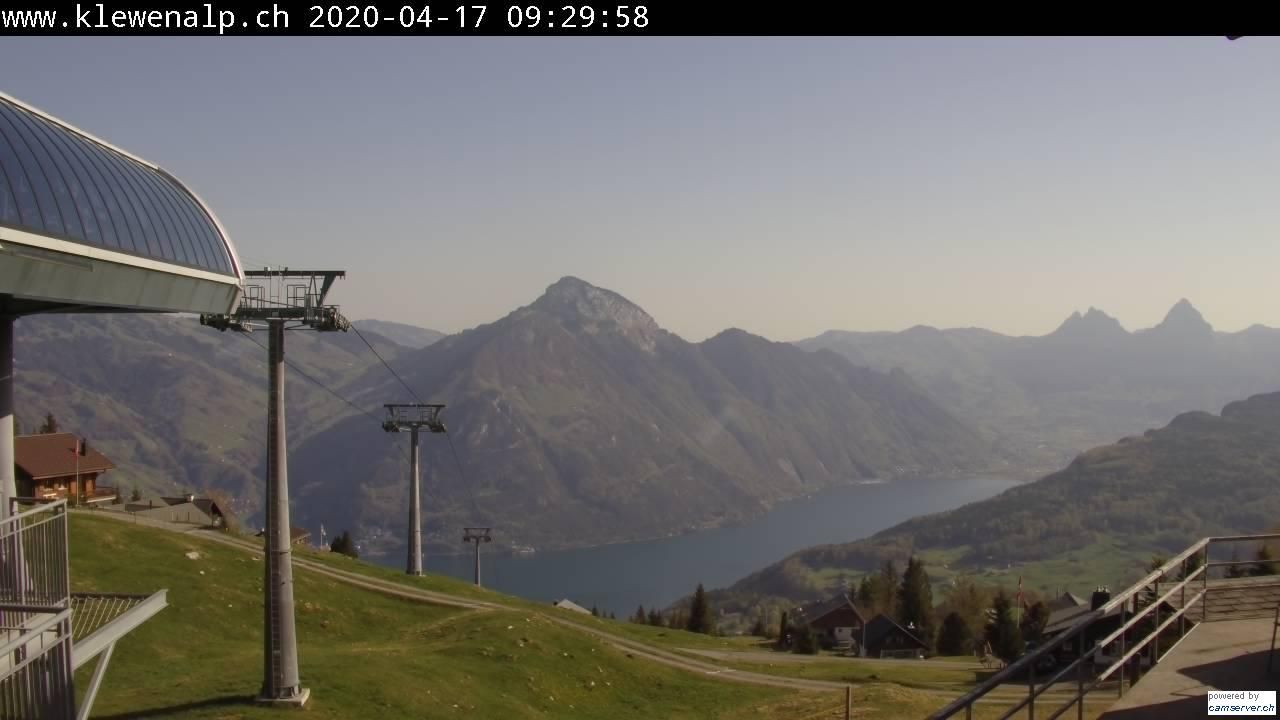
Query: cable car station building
point(85, 227)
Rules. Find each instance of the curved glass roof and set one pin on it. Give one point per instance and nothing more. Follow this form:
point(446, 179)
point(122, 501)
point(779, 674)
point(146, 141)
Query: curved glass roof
point(62, 184)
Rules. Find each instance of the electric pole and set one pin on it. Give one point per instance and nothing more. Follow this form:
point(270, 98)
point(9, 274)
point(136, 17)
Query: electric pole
point(476, 535)
point(294, 300)
point(414, 417)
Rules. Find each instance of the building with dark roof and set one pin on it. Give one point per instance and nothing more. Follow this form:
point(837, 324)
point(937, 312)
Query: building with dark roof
point(51, 466)
point(187, 509)
point(887, 639)
point(1064, 601)
point(297, 535)
point(836, 622)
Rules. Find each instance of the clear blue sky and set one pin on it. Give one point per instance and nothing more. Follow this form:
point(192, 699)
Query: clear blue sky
point(784, 186)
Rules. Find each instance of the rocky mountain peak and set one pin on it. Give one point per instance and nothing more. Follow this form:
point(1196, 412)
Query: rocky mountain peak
point(593, 309)
point(1184, 318)
point(1093, 323)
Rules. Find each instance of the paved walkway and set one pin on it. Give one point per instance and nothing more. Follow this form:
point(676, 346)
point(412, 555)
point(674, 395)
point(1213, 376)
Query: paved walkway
point(1217, 655)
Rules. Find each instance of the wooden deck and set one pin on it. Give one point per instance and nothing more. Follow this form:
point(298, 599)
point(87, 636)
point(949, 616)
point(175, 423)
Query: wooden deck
point(1229, 652)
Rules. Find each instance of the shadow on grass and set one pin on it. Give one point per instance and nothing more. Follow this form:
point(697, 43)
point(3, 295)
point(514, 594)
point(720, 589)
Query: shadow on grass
point(170, 710)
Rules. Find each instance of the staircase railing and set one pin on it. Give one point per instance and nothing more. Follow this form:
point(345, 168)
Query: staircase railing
point(1141, 628)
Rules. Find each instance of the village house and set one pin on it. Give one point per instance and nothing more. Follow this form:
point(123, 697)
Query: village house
point(836, 622)
point(1071, 609)
point(887, 639)
point(182, 509)
point(567, 604)
point(60, 466)
point(297, 535)
point(839, 624)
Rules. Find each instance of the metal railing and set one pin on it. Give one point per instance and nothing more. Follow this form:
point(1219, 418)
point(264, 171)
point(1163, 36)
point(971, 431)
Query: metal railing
point(35, 669)
point(35, 613)
point(33, 559)
point(1271, 656)
point(1139, 635)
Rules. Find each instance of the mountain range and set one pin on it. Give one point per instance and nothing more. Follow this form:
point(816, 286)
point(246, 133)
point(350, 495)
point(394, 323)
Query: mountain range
point(177, 406)
point(1097, 521)
point(578, 420)
point(410, 336)
point(1044, 399)
point(574, 420)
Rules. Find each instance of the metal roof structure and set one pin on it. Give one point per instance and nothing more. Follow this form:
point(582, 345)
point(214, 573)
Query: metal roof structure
point(88, 227)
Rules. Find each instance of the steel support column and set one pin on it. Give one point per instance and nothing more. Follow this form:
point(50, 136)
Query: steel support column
point(413, 566)
point(280, 682)
point(8, 480)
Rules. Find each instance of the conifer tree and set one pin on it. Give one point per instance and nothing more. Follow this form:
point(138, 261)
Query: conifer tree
point(1235, 571)
point(1003, 633)
point(639, 616)
point(866, 597)
point(655, 618)
point(806, 642)
point(700, 618)
point(1266, 564)
point(915, 601)
point(1033, 622)
point(783, 630)
point(344, 544)
point(955, 637)
point(50, 425)
point(887, 589)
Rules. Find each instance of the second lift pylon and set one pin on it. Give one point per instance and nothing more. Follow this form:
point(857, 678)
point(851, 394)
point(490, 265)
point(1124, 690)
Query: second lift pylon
point(414, 417)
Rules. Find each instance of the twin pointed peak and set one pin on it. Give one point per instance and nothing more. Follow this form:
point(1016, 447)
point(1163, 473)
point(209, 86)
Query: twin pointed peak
point(1182, 319)
point(1094, 322)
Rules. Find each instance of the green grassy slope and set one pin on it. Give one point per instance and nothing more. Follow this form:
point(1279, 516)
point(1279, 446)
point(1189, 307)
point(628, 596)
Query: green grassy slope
point(362, 654)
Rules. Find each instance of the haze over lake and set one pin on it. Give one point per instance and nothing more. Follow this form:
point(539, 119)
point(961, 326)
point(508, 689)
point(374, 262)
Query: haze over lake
point(655, 573)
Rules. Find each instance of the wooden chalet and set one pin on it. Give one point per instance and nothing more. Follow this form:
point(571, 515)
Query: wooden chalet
point(61, 466)
point(887, 639)
point(836, 622)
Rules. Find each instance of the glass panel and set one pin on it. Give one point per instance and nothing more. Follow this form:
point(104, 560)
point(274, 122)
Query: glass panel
point(8, 205)
point(159, 221)
point(188, 222)
point(121, 182)
point(117, 202)
point(28, 208)
point(70, 188)
point(176, 235)
point(214, 243)
point(52, 224)
point(103, 210)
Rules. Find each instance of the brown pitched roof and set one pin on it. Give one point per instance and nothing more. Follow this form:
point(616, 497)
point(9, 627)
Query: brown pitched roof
point(295, 533)
point(882, 625)
point(814, 612)
point(54, 455)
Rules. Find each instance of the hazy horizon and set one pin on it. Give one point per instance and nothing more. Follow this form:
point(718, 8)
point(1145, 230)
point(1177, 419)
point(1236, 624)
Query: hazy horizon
point(783, 186)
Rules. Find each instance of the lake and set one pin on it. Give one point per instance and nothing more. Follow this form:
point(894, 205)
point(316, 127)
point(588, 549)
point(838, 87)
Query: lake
point(656, 573)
